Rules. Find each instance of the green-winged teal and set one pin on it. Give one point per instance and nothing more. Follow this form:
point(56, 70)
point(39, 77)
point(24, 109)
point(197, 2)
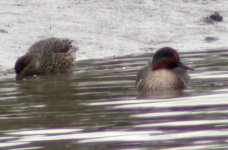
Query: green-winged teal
point(47, 56)
point(165, 72)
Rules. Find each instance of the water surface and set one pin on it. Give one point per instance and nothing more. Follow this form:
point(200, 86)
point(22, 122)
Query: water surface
point(97, 107)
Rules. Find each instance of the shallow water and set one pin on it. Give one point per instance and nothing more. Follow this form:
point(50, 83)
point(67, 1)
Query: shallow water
point(97, 107)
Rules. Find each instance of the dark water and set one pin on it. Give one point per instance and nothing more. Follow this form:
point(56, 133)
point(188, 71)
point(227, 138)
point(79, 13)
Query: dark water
point(97, 107)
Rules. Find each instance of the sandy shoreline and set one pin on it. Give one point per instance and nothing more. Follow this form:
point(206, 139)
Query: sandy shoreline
point(105, 28)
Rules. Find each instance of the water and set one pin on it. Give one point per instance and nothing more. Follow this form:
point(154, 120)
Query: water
point(97, 107)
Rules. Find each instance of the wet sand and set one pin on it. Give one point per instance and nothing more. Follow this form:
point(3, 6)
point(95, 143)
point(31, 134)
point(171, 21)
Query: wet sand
point(110, 28)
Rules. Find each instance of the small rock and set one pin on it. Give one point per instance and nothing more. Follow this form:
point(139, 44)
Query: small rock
point(3, 31)
point(211, 39)
point(216, 17)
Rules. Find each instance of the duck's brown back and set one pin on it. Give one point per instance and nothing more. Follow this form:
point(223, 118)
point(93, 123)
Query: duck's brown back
point(54, 45)
point(57, 55)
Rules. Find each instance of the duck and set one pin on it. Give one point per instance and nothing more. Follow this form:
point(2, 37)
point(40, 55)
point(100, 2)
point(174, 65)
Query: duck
point(166, 72)
point(48, 56)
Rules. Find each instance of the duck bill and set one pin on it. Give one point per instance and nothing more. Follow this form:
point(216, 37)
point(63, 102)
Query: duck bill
point(185, 66)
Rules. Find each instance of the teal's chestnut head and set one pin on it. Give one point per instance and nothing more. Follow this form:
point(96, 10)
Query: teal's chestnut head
point(167, 58)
